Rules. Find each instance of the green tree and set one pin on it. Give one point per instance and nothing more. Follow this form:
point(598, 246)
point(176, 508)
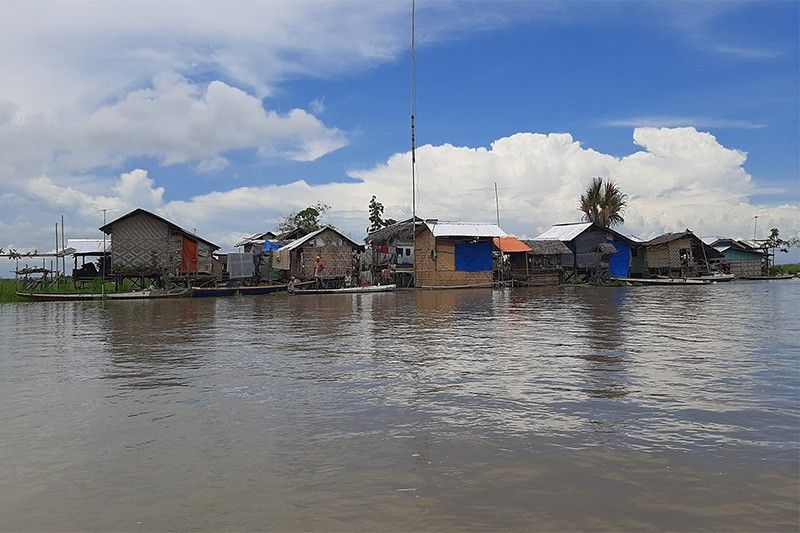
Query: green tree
point(774, 243)
point(306, 219)
point(376, 220)
point(603, 203)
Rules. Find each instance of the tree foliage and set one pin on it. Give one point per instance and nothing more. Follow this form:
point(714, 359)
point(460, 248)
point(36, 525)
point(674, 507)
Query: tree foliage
point(775, 242)
point(376, 220)
point(603, 203)
point(306, 219)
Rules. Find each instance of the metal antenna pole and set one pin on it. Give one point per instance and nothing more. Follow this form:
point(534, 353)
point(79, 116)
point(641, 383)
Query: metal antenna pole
point(103, 269)
point(413, 135)
point(497, 203)
point(63, 248)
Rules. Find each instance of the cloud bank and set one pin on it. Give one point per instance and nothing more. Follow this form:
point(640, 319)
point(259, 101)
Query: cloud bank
point(678, 178)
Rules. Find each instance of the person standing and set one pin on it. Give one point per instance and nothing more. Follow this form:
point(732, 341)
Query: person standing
point(319, 266)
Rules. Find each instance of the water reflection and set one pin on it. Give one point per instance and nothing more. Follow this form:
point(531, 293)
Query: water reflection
point(430, 410)
point(157, 344)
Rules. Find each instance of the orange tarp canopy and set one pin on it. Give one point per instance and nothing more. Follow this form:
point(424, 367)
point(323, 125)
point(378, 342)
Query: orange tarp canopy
point(511, 245)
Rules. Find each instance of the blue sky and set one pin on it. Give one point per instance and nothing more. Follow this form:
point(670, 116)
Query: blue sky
point(664, 97)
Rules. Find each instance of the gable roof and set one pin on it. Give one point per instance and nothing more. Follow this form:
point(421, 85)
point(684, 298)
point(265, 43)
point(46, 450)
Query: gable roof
point(511, 245)
point(669, 237)
point(256, 238)
point(139, 211)
point(548, 247)
point(569, 231)
point(464, 229)
point(393, 230)
point(302, 240)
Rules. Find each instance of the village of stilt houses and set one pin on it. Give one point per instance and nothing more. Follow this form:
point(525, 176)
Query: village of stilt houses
point(144, 255)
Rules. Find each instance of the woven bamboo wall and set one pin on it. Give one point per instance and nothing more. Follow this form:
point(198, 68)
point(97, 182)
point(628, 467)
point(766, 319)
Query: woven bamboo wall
point(143, 243)
point(667, 255)
point(147, 244)
point(440, 270)
point(746, 268)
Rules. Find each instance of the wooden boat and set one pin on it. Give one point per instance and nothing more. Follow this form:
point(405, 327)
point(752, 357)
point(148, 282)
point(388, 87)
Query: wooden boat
point(664, 281)
point(75, 297)
point(346, 290)
point(767, 278)
point(237, 291)
point(719, 278)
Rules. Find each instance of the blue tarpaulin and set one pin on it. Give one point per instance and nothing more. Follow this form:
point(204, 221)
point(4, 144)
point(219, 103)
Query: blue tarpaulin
point(620, 263)
point(268, 246)
point(474, 257)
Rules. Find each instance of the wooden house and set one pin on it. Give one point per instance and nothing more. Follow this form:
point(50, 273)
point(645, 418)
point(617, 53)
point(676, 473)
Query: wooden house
point(336, 249)
point(741, 258)
point(545, 261)
point(391, 249)
point(147, 245)
point(513, 259)
point(679, 254)
point(454, 254)
point(586, 242)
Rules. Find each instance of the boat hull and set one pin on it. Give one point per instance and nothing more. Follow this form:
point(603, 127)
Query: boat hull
point(664, 281)
point(203, 292)
point(347, 290)
point(77, 297)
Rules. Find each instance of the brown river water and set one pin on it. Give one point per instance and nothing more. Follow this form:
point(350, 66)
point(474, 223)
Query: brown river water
point(553, 408)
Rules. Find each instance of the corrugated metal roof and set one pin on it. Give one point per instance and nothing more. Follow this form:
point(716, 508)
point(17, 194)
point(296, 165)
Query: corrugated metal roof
point(302, 240)
point(511, 245)
point(465, 229)
point(88, 246)
point(564, 232)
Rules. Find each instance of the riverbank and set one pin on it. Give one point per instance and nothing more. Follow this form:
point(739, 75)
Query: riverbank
point(9, 288)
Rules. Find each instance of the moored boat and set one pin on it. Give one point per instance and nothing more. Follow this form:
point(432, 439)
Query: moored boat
point(718, 277)
point(237, 291)
point(767, 278)
point(75, 297)
point(346, 290)
point(664, 281)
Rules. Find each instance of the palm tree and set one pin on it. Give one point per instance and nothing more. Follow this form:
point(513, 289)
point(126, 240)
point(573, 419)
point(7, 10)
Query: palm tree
point(603, 203)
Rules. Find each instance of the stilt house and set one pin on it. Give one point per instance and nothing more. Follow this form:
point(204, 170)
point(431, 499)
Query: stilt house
point(453, 254)
point(392, 249)
point(585, 241)
point(545, 261)
point(680, 254)
point(741, 258)
point(513, 259)
point(335, 248)
point(147, 245)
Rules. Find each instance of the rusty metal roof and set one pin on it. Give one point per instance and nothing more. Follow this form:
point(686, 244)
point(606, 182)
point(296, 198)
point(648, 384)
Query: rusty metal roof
point(511, 245)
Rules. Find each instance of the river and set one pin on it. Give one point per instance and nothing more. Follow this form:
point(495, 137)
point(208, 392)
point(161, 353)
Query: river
point(548, 408)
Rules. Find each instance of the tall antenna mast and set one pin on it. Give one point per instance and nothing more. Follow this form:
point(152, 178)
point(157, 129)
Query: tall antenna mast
point(497, 203)
point(413, 134)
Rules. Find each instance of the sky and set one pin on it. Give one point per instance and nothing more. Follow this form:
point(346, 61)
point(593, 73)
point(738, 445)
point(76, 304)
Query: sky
point(226, 117)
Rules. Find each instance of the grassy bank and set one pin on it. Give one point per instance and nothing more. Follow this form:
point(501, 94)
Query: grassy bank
point(9, 288)
point(793, 269)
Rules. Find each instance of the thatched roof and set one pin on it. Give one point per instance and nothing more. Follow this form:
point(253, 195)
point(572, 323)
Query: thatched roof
point(547, 247)
point(397, 229)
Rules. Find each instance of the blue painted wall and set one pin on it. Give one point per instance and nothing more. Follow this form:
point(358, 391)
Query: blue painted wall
point(620, 263)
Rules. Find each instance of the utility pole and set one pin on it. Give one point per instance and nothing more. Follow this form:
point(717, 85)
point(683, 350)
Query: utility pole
point(497, 203)
point(103, 269)
point(63, 248)
point(414, 135)
point(755, 228)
